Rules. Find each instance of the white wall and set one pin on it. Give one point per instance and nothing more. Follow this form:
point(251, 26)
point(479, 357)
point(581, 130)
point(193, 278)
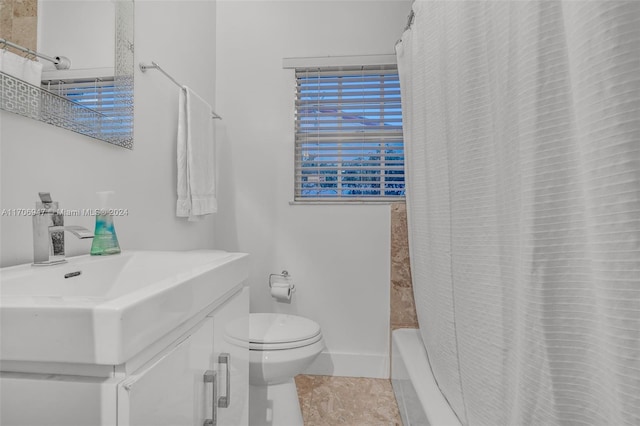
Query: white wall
point(180, 35)
point(83, 31)
point(338, 255)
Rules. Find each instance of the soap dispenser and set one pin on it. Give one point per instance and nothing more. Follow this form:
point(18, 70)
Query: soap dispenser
point(105, 240)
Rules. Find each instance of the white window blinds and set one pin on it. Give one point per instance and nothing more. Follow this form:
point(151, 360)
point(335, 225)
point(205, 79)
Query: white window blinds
point(348, 143)
point(103, 96)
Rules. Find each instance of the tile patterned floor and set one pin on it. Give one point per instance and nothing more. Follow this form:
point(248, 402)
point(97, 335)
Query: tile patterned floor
point(347, 401)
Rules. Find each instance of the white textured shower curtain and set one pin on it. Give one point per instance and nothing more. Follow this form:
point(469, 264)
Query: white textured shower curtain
point(522, 133)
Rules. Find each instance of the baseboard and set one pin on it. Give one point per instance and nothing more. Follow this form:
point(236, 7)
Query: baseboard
point(350, 365)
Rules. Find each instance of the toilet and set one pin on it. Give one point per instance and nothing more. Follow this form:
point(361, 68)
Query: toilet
point(280, 347)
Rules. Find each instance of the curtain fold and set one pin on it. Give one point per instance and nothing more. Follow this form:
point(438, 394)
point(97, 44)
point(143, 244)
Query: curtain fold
point(522, 139)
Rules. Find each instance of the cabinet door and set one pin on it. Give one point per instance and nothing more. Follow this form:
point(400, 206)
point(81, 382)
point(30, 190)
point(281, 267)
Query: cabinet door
point(56, 400)
point(233, 362)
point(172, 391)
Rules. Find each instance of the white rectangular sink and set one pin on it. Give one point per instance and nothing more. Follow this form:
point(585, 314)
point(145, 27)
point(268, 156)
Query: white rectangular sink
point(104, 310)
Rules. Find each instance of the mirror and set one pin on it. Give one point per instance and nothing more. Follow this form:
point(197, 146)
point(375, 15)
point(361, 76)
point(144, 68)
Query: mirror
point(98, 106)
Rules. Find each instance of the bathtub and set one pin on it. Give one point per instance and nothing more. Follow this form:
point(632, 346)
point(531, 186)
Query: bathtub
point(419, 398)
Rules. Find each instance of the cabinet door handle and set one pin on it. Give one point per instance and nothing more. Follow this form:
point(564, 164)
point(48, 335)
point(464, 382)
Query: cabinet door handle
point(224, 401)
point(211, 376)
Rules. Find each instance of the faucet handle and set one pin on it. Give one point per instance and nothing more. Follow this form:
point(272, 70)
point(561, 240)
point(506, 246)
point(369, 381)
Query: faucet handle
point(45, 197)
point(48, 206)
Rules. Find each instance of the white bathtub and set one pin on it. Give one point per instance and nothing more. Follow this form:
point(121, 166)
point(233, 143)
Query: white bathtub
point(419, 398)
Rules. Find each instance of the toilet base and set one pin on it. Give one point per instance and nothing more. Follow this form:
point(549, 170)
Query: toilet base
point(274, 405)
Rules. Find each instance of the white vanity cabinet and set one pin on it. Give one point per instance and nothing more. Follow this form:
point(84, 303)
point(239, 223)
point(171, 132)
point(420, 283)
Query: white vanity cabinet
point(201, 378)
point(171, 391)
point(190, 378)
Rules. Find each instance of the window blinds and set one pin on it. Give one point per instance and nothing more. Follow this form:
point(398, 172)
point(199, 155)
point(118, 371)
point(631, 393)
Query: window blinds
point(103, 96)
point(348, 143)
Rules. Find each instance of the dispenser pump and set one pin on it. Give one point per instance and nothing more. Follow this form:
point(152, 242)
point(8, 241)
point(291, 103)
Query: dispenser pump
point(105, 240)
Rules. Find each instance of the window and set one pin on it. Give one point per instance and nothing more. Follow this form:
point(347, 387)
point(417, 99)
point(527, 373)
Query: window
point(103, 96)
point(348, 144)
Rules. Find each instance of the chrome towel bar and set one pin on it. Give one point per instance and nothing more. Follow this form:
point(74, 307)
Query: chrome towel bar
point(155, 66)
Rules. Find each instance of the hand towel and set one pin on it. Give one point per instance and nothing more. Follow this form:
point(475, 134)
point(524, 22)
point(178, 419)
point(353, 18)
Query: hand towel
point(20, 67)
point(32, 72)
point(196, 157)
point(11, 64)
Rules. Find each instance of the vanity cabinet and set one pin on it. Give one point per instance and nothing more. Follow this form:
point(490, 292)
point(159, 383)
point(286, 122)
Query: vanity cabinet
point(171, 391)
point(196, 376)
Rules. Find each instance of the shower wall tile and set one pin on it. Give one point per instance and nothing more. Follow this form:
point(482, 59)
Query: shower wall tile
point(23, 32)
point(403, 308)
point(25, 8)
point(19, 22)
point(6, 18)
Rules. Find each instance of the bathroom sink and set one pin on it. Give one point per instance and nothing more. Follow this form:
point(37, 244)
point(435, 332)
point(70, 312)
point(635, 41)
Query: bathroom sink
point(104, 310)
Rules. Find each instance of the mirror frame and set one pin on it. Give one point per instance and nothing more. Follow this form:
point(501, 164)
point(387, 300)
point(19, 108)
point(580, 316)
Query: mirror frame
point(34, 102)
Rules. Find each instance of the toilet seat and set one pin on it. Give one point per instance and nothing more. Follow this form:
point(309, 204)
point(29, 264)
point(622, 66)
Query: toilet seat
point(273, 346)
point(272, 332)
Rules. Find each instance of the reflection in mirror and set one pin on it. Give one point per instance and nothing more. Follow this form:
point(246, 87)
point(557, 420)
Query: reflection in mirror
point(97, 102)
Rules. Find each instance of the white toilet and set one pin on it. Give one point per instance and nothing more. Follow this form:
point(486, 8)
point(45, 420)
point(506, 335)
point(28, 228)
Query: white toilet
point(280, 347)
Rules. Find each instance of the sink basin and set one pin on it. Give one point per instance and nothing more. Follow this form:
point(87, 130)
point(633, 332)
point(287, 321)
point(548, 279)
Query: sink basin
point(105, 310)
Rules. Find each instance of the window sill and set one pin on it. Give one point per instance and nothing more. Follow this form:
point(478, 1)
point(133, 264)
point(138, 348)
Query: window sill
point(345, 202)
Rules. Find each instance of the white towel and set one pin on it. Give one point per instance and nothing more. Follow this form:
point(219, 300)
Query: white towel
point(32, 72)
point(20, 67)
point(196, 157)
point(11, 64)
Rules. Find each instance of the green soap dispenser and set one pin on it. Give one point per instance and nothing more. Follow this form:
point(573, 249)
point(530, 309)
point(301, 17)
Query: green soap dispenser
point(105, 240)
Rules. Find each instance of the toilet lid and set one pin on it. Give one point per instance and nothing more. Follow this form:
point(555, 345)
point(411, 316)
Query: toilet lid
point(273, 346)
point(273, 328)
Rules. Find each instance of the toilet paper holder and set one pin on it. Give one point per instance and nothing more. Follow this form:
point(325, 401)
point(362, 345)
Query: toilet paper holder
point(283, 274)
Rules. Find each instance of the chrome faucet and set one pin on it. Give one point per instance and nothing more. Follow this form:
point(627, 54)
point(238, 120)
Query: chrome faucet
point(48, 232)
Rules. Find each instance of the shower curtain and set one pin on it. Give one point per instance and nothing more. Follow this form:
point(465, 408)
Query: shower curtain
point(522, 138)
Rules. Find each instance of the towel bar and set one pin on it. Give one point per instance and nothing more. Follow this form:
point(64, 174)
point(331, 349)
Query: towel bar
point(155, 66)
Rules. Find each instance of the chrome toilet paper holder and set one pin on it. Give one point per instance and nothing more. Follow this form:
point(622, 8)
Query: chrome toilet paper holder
point(283, 274)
